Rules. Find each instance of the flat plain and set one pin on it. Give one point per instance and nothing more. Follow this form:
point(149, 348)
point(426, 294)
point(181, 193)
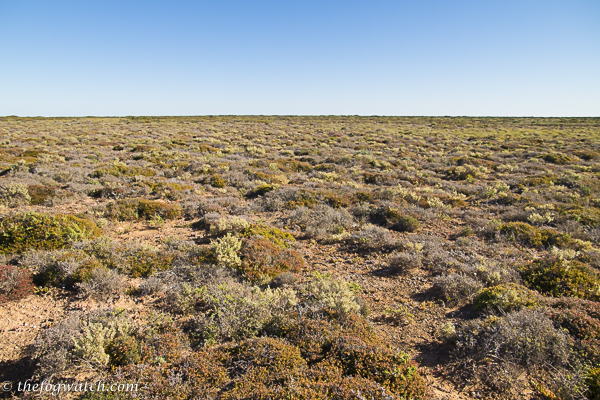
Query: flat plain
point(254, 257)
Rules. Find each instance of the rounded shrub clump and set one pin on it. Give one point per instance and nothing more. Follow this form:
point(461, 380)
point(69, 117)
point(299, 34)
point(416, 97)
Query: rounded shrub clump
point(406, 223)
point(38, 231)
point(558, 277)
point(581, 319)
point(527, 235)
point(508, 297)
point(123, 350)
point(15, 283)
point(135, 209)
point(218, 182)
point(262, 260)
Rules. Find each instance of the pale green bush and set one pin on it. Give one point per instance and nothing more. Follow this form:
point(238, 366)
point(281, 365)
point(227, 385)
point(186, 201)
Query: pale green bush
point(232, 224)
point(323, 291)
point(14, 195)
point(225, 250)
point(238, 311)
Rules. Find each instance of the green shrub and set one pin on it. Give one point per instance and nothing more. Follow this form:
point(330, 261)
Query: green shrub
point(406, 223)
point(225, 250)
point(14, 195)
point(65, 267)
point(559, 159)
point(528, 235)
point(135, 209)
point(236, 311)
point(199, 376)
point(538, 181)
point(337, 200)
point(217, 181)
point(385, 216)
point(593, 383)
point(260, 190)
point(144, 262)
point(229, 224)
point(558, 277)
point(465, 232)
point(508, 297)
point(586, 155)
point(275, 235)
point(38, 231)
point(123, 350)
point(79, 340)
point(393, 370)
point(324, 292)
point(15, 283)
point(120, 169)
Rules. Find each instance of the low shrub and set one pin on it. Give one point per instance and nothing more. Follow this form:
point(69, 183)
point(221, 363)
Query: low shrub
point(217, 181)
point(527, 338)
point(236, 311)
point(223, 225)
point(385, 216)
point(121, 169)
point(466, 172)
point(395, 371)
point(260, 190)
point(400, 262)
point(40, 194)
point(557, 277)
point(14, 195)
point(62, 267)
point(528, 235)
point(274, 235)
point(123, 350)
point(559, 159)
point(15, 283)
point(270, 368)
point(324, 292)
point(492, 274)
point(581, 319)
point(284, 279)
point(321, 221)
point(102, 285)
point(225, 250)
point(262, 260)
point(129, 258)
point(457, 288)
point(79, 342)
point(508, 297)
point(406, 223)
point(199, 376)
point(593, 383)
point(38, 231)
point(135, 209)
point(465, 232)
point(143, 262)
point(150, 286)
point(289, 198)
point(373, 237)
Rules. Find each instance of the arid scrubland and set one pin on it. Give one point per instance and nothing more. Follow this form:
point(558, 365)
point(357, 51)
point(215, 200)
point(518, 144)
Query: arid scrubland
point(302, 257)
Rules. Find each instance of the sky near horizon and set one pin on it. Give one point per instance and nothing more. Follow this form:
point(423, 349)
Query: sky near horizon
point(378, 57)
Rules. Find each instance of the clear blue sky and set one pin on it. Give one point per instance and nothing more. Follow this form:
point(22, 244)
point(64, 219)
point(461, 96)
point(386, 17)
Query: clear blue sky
point(420, 57)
